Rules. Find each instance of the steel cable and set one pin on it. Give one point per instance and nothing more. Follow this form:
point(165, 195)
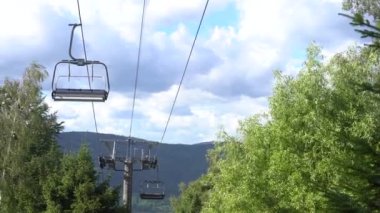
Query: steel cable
point(184, 72)
point(137, 68)
point(88, 72)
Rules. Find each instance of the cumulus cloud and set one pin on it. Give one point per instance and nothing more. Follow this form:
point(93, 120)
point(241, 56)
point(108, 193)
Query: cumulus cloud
point(229, 77)
point(270, 34)
point(205, 115)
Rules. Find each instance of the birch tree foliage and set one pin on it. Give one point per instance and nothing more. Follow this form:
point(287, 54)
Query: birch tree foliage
point(29, 151)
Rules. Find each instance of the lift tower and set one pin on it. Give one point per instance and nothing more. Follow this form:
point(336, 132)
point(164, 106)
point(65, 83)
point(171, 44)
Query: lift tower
point(147, 162)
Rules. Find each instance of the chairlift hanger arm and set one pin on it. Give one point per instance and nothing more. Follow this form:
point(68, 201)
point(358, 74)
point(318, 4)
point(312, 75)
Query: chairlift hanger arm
point(71, 40)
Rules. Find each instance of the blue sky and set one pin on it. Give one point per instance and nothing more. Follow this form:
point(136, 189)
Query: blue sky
point(230, 75)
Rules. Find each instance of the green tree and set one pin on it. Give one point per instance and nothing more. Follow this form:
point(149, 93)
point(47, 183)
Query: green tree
point(34, 175)
point(27, 140)
point(318, 149)
point(361, 9)
point(74, 187)
point(359, 119)
point(364, 7)
point(192, 196)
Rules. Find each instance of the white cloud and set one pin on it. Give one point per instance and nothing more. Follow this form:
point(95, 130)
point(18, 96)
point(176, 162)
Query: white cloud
point(206, 115)
point(20, 23)
point(269, 36)
point(229, 76)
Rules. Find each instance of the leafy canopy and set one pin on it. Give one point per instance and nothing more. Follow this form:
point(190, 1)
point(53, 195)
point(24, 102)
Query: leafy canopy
point(317, 150)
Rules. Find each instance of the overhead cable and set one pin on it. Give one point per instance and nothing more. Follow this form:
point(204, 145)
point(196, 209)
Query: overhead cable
point(137, 68)
point(184, 72)
point(85, 58)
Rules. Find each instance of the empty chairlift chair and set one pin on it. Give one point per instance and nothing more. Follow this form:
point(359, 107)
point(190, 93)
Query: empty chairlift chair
point(94, 87)
point(152, 190)
point(147, 160)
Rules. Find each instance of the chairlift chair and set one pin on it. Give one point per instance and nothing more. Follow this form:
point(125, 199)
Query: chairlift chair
point(106, 161)
point(152, 190)
point(148, 161)
point(60, 93)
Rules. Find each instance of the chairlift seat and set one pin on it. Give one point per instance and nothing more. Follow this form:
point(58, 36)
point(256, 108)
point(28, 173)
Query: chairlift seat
point(96, 95)
point(153, 196)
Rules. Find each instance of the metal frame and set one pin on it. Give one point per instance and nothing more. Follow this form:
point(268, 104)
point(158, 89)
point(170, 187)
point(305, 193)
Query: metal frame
point(64, 94)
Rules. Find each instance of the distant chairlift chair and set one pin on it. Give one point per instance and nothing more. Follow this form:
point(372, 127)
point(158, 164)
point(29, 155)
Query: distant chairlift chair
point(152, 190)
point(148, 161)
point(79, 94)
